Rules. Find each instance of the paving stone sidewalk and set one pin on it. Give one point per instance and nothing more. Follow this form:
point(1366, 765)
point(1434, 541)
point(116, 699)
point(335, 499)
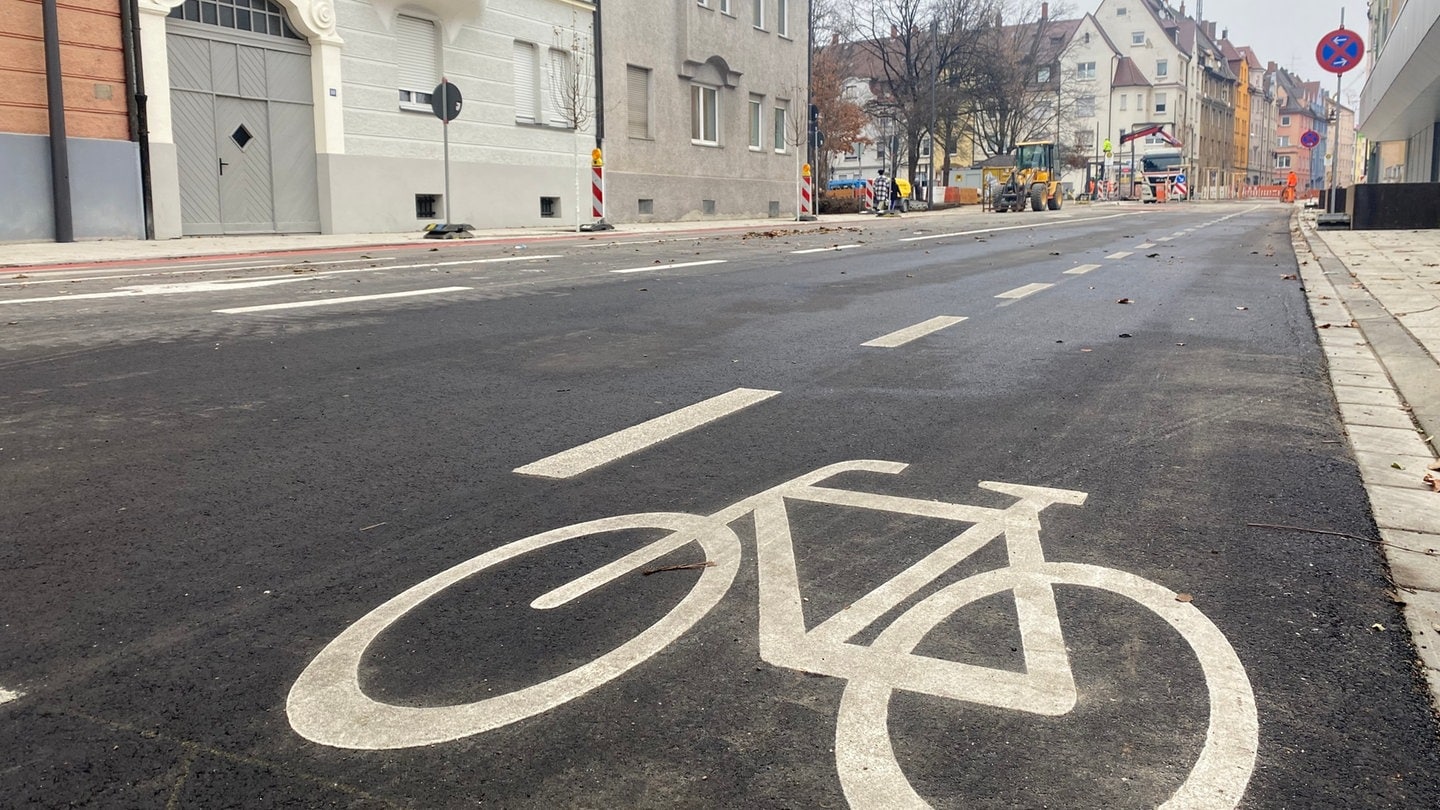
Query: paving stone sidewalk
point(1375, 296)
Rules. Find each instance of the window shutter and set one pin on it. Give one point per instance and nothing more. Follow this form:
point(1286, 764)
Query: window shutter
point(525, 96)
point(418, 54)
point(637, 101)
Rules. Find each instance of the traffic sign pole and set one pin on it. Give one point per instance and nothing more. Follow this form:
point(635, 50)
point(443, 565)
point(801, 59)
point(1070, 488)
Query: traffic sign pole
point(1339, 51)
point(445, 104)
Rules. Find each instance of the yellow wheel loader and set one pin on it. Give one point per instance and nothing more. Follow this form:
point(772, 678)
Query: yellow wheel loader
point(1035, 179)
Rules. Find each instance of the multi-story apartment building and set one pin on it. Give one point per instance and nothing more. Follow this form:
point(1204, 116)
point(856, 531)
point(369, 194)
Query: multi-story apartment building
point(1401, 100)
point(1215, 136)
point(714, 96)
point(101, 135)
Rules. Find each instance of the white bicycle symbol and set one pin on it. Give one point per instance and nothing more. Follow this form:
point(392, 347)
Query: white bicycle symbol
point(326, 703)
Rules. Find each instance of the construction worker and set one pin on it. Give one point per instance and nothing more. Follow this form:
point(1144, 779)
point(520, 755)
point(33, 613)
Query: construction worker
point(1291, 182)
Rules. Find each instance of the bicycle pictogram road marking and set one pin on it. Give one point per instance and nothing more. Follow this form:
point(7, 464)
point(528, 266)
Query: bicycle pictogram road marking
point(327, 705)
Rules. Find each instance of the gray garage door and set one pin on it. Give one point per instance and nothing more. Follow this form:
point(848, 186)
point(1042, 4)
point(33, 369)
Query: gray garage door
point(243, 119)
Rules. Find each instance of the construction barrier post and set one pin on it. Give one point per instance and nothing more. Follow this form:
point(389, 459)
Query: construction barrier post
point(807, 198)
point(597, 193)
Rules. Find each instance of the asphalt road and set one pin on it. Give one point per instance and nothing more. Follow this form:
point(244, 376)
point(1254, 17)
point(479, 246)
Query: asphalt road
point(223, 488)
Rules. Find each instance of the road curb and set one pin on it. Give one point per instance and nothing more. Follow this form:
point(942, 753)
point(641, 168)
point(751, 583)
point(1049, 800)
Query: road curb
point(1362, 374)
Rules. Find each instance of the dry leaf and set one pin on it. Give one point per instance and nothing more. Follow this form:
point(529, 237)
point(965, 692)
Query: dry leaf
point(1378, 627)
point(1434, 482)
point(1124, 301)
point(1183, 597)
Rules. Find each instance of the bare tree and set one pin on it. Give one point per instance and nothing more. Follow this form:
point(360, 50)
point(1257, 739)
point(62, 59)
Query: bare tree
point(1017, 92)
point(913, 44)
point(572, 91)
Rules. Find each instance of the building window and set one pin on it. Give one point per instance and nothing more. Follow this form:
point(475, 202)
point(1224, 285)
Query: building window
point(1137, 38)
point(703, 3)
point(1084, 139)
point(1282, 161)
point(1085, 70)
point(1085, 107)
point(1283, 140)
point(417, 52)
point(1162, 68)
point(426, 205)
point(782, 121)
point(782, 23)
point(255, 16)
point(1160, 104)
point(1043, 74)
point(757, 16)
point(637, 101)
point(1139, 102)
point(756, 103)
point(1124, 101)
point(527, 93)
point(1121, 11)
point(1284, 120)
point(645, 206)
point(561, 80)
point(549, 207)
point(724, 6)
point(704, 115)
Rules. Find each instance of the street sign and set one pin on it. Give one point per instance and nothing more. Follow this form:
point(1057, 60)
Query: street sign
point(1310, 139)
point(1340, 51)
point(445, 101)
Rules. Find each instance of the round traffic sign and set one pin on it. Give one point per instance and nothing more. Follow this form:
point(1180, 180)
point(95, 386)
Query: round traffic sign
point(1340, 50)
point(1310, 139)
point(445, 101)
point(1179, 179)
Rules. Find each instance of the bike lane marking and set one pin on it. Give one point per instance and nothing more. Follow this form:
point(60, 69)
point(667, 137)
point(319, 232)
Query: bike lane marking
point(1021, 292)
point(1082, 269)
point(349, 299)
point(900, 337)
point(675, 266)
point(1124, 254)
point(602, 451)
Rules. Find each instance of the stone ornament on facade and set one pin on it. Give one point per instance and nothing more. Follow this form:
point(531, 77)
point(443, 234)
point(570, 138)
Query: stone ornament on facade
point(314, 19)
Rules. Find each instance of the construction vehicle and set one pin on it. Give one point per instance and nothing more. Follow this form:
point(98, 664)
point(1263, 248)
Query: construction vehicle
point(1035, 178)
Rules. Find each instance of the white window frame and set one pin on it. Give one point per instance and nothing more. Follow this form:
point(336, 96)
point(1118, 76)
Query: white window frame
point(1282, 140)
point(702, 115)
point(1283, 162)
point(1085, 70)
point(1284, 120)
point(555, 74)
point(757, 121)
point(1042, 75)
point(1137, 37)
point(1161, 104)
point(1085, 107)
point(1124, 101)
point(757, 16)
point(782, 17)
point(725, 7)
point(414, 98)
point(1162, 68)
point(779, 123)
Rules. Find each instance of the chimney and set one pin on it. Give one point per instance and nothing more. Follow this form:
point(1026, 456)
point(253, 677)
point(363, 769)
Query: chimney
point(1044, 11)
point(1182, 9)
point(894, 32)
point(834, 39)
point(1271, 67)
point(1210, 30)
point(1225, 33)
point(1199, 9)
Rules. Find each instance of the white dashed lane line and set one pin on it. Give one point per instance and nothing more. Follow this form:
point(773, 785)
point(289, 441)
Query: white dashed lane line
point(1082, 269)
point(606, 449)
point(676, 266)
point(902, 336)
point(7, 695)
point(1121, 255)
point(1145, 246)
point(349, 299)
point(824, 249)
point(1021, 292)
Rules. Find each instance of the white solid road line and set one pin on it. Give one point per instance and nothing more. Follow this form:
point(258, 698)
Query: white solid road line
point(1021, 292)
point(622, 443)
point(824, 249)
point(1075, 221)
point(1121, 255)
point(669, 266)
point(1082, 269)
point(133, 272)
point(902, 336)
point(7, 695)
point(349, 299)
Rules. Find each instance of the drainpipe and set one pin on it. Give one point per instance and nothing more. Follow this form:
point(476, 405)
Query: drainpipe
point(59, 151)
point(599, 79)
point(139, 117)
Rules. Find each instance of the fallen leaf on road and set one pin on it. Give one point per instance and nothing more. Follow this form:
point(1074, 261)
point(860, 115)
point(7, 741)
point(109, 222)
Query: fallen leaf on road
point(684, 567)
point(1125, 334)
point(1288, 277)
point(1124, 301)
point(1378, 627)
point(1184, 597)
point(1323, 326)
point(1433, 481)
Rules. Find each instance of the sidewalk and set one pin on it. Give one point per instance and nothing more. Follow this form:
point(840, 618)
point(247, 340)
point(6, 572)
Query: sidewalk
point(1375, 297)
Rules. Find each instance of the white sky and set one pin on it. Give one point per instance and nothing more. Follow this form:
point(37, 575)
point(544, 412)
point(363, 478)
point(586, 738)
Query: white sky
point(1287, 31)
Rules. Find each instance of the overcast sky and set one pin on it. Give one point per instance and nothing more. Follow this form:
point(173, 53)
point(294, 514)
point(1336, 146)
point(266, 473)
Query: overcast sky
point(1287, 31)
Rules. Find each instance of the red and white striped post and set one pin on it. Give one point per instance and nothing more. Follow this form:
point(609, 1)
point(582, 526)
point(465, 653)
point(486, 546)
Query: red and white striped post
point(869, 195)
point(807, 195)
point(597, 193)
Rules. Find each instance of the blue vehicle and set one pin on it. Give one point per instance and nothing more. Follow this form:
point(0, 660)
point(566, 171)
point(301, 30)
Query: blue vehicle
point(836, 185)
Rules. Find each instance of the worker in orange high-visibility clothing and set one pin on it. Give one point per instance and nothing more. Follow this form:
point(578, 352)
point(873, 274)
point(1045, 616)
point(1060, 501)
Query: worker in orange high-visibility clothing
point(1291, 182)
